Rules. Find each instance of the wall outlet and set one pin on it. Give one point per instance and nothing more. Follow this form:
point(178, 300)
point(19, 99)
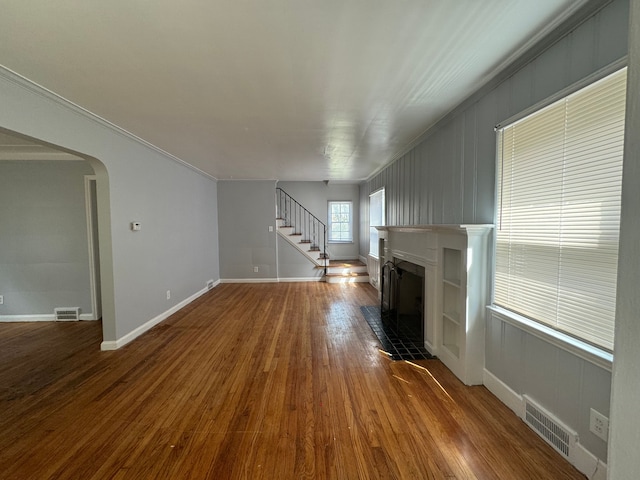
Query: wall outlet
point(256, 269)
point(599, 425)
point(271, 228)
point(168, 294)
point(1, 299)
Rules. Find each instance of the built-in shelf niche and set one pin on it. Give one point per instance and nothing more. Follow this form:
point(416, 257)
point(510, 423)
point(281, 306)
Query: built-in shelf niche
point(451, 300)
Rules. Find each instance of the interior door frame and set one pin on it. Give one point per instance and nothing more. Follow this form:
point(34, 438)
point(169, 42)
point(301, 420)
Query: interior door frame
point(92, 240)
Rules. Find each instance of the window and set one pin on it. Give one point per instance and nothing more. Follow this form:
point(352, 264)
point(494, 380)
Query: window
point(340, 222)
point(376, 218)
point(558, 212)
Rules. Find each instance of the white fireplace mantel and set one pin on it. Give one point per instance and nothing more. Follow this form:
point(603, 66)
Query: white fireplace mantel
point(478, 228)
point(455, 288)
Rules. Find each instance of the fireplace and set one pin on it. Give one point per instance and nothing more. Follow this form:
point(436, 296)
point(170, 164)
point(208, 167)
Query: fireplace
point(402, 298)
point(438, 274)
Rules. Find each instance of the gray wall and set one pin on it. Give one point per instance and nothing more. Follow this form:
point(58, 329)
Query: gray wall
point(177, 248)
point(247, 209)
point(450, 178)
point(314, 196)
point(624, 429)
point(44, 255)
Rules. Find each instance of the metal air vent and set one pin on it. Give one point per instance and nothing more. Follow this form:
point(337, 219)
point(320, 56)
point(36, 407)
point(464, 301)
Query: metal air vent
point(67, 313)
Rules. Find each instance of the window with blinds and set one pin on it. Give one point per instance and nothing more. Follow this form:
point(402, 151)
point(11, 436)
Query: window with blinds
point(558, 218)
point(376, 218)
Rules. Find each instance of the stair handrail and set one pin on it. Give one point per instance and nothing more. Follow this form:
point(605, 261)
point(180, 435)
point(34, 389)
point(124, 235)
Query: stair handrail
point(304, 216)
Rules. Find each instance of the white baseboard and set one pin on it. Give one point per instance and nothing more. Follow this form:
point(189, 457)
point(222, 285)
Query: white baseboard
point(431, 348)
point(504, 393)
point(114, 345)
point(28, 318)
point(580, 457)
point(363, 259)
point(271, 280)
point(588, 464)
point(300, 279)
point(248, 280)
point(41, 318)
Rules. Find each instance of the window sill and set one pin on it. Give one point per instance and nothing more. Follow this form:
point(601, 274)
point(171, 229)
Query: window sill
point(595, 355)
point(337, 242)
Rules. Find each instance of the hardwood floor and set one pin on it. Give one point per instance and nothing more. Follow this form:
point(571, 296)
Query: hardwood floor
point(259, 381)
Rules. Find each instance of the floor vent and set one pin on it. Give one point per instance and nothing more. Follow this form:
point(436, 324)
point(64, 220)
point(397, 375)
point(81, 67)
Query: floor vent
point(67, 313)
point(550, 429)
point(209, 284)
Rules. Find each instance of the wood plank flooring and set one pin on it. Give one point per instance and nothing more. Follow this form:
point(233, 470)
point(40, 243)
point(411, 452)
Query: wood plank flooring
point(259, 381)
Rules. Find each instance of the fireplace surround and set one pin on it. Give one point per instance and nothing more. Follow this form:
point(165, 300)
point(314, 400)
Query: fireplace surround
point(444, 270)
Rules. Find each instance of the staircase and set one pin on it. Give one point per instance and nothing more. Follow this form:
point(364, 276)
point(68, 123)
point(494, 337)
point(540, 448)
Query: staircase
point(308, 235)
point(302, 229)
point(309, 249)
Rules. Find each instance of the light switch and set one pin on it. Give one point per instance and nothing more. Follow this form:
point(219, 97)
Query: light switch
point(136, 226)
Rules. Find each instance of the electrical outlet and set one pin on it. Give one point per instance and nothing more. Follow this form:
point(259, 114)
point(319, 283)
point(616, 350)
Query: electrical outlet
point(256, 269)
point(168, 294)
point(1, 299)
point(599, 425)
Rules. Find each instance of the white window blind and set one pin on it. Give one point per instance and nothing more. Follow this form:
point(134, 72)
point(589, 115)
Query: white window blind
point(559, 185)
point(376, 218)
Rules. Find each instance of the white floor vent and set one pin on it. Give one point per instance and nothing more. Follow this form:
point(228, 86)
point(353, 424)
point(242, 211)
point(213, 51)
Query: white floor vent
point(67, 313)
point(549, 428)
point(209, 284)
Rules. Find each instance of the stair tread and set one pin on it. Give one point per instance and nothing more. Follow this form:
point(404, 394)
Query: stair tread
point(352, 274)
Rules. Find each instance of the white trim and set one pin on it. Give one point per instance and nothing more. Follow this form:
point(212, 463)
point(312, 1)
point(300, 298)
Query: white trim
point(364, 259)
point(33, 87)
point(588, 463)
point(301, 279)
point(114, 345)
point(570, 344)
point(90, 241)
point(579, 456)
point(43, 154)
point(42, 318)
point(504, 393)
point(431, 348)
point(215, 284)
point(330, 223)
point(248, 280)
point(28, 318)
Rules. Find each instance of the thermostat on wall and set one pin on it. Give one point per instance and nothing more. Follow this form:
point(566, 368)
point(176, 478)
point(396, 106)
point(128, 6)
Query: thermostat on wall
point(135, 226)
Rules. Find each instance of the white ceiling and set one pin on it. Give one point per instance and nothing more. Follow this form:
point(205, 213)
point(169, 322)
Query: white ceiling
point(279, 89)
